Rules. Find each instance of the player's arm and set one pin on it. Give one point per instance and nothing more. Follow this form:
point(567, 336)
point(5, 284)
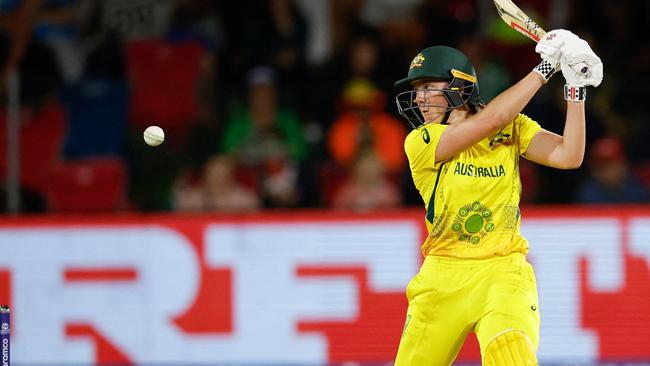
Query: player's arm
point(567, 151)
point(496, 115)
point(504, 108)
point(562, 152)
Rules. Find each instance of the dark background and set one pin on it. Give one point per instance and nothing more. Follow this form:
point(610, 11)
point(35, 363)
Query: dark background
point(287, 104)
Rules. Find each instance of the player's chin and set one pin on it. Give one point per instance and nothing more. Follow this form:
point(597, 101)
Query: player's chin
point(432, 117)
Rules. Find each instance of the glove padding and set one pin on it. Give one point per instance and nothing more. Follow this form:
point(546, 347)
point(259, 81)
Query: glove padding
point(549, 47)
point(580, 65)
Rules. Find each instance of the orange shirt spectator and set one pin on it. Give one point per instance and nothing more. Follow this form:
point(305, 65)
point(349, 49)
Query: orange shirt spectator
point(364, 125)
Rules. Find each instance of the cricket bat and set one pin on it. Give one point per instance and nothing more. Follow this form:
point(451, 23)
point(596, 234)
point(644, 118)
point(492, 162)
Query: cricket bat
point(519, 21)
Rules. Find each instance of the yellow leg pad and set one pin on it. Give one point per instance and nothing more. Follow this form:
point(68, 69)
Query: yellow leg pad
point(510, 348)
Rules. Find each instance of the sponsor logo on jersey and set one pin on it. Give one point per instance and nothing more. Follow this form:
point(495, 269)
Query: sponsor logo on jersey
point(471, 170)
point(500, 138)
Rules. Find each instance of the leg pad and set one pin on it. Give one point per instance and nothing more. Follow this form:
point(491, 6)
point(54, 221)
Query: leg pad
point(510, 348)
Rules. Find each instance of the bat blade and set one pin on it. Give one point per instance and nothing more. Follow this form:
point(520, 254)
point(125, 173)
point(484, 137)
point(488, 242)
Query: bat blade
point(518, 20)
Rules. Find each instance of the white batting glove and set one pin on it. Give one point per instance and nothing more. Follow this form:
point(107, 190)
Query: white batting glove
point(581, 67)
point(549, 48)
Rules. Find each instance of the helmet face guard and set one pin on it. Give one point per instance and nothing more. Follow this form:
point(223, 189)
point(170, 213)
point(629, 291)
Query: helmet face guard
point(438, 63)
point(458, 93)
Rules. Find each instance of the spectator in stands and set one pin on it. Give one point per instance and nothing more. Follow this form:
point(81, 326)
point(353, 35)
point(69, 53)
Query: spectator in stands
point(53, 23)
point(97, 104)
point(41, 117)
point(216, 190)
point(364, 125)
point(26, 51)
point(268, 139)
point(270, 32)
point(610, 179)
point(368, 187)
point(262, 129)
point(358, 58)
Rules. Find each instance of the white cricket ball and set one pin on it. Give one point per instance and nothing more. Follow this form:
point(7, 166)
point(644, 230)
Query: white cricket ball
point(154, 135)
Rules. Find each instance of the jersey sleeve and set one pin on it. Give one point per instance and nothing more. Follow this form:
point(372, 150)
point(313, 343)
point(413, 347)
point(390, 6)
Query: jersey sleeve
point(420, 146)
point(527, 128)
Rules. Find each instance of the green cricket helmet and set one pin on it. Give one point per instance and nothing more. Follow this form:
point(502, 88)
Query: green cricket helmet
point(439, 63)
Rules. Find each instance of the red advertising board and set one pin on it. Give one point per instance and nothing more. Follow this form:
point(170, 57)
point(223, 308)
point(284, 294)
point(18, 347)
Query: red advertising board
point(311, 287)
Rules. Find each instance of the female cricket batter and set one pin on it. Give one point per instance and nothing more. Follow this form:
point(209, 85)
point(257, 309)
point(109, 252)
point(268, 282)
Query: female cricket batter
point(464, 160)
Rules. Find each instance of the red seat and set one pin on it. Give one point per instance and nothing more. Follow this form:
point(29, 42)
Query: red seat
point(41, 139)
point(92, 185)
point(164, 82)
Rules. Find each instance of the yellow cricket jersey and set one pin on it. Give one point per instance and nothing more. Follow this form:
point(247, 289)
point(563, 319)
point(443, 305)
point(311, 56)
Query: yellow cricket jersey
point(472, 199)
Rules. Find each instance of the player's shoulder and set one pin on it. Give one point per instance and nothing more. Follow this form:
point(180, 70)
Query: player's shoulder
point(425, 130)
point(423, 138)
point(418, 136)
point(410, 137)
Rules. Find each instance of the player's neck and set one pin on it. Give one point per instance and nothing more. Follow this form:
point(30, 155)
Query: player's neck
point(458, 115)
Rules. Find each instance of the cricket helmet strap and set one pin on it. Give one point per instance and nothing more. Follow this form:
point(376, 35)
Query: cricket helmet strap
point(439, 63)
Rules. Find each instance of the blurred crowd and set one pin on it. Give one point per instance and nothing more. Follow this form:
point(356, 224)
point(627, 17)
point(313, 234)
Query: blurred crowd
point(286, 103)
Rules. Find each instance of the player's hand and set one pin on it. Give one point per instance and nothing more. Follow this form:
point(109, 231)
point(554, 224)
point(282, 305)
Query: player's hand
point(580, 65)
point(550, 49)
